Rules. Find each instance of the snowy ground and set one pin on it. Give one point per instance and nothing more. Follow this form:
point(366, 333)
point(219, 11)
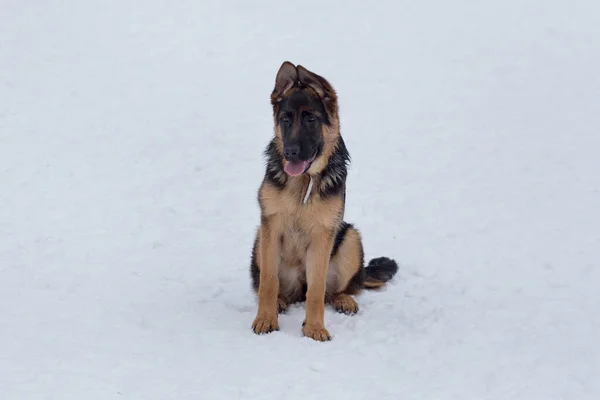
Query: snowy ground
point(130, 154)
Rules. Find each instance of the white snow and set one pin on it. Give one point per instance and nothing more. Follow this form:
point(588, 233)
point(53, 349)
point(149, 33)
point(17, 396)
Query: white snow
point(131, 138)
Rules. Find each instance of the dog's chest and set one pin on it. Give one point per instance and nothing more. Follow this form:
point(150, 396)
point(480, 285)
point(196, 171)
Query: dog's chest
point(298, 221)
point(294, 244)
point(291, 213)
point(289, 202)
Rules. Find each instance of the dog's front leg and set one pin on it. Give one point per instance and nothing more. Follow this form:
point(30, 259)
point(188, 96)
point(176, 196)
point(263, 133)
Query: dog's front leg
point(317, 262)
point(268, 288)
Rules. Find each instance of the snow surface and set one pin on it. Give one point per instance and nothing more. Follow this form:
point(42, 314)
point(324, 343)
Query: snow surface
point(131, 138)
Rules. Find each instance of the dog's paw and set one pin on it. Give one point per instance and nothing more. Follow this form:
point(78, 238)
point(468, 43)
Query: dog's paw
point(281, 306)
point(344, 303)
point(265, 324)
point(316, 332)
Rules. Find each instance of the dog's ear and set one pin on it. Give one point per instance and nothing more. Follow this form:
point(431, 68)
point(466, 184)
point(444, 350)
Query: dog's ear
point(315, 82)
point(287, 76)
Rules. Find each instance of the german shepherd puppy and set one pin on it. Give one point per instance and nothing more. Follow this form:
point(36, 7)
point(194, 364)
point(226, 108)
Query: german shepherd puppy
point(303, 250)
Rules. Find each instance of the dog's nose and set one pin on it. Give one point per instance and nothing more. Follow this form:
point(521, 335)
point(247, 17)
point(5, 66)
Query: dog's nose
point(291, 150)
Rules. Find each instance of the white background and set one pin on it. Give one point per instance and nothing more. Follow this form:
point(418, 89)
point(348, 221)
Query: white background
point(131, 139)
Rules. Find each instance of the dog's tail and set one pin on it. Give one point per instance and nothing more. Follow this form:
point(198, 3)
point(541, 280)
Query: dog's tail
point(379, 271)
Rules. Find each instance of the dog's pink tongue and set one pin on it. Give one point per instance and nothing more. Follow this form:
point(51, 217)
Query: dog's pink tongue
point(295, 168)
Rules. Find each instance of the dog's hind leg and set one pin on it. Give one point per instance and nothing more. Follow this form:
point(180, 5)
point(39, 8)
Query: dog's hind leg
point(346, 275)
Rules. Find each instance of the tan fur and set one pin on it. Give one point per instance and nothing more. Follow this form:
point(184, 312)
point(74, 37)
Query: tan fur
point(330, 134)
point(373, 284)
point(345, 303)
point(303, 256)
point(316, 332)
point(317, 261)
point(309, 230)
point(347, 260)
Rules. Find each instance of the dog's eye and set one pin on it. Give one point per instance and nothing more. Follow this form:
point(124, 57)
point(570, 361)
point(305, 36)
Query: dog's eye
point(284, 119)
point(311, 118)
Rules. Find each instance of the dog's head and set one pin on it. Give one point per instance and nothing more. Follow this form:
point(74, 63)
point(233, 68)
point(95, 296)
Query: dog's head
point(306, 120)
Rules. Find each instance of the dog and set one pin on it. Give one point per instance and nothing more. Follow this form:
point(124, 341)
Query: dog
point(304, 251)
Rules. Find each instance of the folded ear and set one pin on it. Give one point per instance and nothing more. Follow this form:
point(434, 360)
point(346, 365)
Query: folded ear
point(316, 82)
point(286, 79)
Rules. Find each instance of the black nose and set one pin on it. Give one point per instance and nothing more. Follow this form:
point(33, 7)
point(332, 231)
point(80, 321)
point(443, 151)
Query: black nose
point(291, 150)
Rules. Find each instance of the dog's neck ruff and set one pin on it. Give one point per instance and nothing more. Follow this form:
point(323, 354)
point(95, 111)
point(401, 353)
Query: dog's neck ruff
point(310, 185)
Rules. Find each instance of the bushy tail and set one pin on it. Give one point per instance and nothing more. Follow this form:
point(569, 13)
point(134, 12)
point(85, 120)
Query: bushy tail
point(379, 271)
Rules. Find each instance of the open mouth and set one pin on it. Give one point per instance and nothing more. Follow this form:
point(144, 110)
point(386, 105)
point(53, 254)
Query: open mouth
point(296, 168)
